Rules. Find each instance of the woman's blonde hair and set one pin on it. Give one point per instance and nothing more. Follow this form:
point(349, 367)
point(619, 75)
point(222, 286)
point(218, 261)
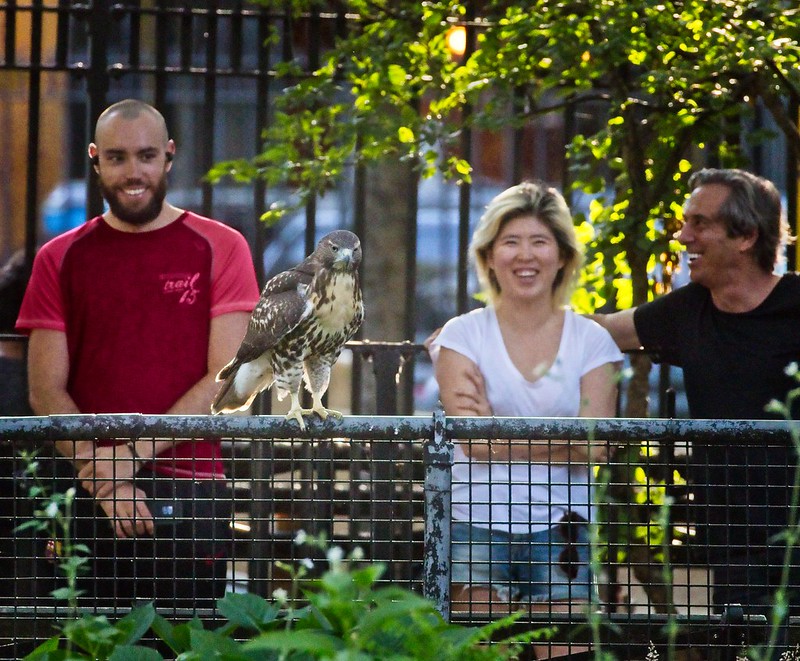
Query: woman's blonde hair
point(530, 198)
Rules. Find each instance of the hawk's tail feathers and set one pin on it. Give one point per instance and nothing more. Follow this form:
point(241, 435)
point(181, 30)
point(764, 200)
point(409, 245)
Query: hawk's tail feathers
point(241, 385)
point(226, 371)
point(227, 401)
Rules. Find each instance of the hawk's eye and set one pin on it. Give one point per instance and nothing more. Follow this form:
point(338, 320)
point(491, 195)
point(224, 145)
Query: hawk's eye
point(334, 248)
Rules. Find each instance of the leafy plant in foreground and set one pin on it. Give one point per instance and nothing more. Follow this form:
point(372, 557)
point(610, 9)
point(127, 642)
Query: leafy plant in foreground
point(342, 615)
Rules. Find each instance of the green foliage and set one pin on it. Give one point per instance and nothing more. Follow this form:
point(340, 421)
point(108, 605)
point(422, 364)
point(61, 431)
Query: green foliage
point(664, 82)
point(52, 517)
point(342, 615)
point(635, 516)
point(791, 536)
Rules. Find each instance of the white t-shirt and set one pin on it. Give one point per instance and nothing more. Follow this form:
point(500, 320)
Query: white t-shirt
point(521, 497)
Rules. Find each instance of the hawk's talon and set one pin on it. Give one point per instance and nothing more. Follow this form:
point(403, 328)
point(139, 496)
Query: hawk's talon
point(323, 413)
point(297, 414)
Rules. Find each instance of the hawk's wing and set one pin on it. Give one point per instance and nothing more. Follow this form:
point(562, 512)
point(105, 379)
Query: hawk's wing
point(281, 307)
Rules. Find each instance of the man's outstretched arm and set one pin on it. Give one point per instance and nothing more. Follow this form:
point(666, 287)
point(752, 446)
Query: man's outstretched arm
point(622, 329)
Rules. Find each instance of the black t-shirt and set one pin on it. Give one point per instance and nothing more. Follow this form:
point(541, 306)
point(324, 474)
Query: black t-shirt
point(733, 366)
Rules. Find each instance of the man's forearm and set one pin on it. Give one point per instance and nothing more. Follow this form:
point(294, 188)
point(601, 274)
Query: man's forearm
point(60, 403)
point(621, 326)
point(195, 401)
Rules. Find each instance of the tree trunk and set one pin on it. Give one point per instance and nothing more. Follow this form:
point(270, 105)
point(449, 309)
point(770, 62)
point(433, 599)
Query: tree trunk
point(388, 216)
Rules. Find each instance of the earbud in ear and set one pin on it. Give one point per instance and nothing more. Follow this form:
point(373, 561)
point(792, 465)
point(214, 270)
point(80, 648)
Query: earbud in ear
point(95, 160)
point(170, 156)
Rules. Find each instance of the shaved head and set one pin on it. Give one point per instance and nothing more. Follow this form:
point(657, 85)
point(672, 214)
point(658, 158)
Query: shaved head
point(130, 109)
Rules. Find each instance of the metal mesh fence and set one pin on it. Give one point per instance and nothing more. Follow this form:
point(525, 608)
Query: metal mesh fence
point(628, 544)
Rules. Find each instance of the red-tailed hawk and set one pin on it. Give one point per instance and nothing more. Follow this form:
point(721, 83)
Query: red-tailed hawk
point(297, 330)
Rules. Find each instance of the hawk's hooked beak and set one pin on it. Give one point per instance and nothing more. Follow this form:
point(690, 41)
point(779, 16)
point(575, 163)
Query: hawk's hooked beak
point(343, 258)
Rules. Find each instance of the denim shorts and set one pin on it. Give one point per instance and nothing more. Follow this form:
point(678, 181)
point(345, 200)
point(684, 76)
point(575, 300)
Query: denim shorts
point(541, 567)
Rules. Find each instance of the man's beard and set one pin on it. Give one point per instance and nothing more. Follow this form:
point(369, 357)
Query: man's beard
point(137, 217)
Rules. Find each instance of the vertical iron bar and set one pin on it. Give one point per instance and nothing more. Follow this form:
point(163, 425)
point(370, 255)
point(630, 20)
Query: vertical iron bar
point(135, 46)
point(322, 492)
point(462, 294)
point(264, 532)
point(97, 81)
point(406, 383)
point(263, 403)
point(464, 190)
point(385, 365)
point(792, 253)
point(236, 38)
point(34, 107)
point(62, 33)
point(162, 43)
point(411, 255)
point(262, 120)
point(209, 104)
point(311, 224)
point(186, 41)
point(310, 239)
point(313, 64)
point(10, 57)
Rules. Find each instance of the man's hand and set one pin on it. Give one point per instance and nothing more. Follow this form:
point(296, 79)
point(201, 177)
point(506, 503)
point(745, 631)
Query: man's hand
point(109, 465)
point(80, 452)
point(127, 511)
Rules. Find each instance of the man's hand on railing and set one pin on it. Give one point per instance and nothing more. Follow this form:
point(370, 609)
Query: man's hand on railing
point(78, 452)
point(127, 510)
point(108, 465)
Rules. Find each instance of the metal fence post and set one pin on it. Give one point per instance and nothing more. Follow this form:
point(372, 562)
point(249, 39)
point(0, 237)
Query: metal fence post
point(438, 458)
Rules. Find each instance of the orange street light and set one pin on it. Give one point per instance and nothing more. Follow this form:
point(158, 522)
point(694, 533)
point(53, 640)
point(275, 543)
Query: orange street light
point(457, 40)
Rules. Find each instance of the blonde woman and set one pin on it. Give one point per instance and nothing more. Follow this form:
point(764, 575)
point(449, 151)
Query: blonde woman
point(521, 508)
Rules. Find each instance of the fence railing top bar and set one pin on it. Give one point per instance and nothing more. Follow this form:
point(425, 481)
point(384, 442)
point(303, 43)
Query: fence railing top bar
point(80, 427)
point(133, 425)
point(615, 429)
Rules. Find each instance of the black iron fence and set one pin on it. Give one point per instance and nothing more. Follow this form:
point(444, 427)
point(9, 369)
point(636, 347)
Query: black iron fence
point(385, 485)
point(212, 69)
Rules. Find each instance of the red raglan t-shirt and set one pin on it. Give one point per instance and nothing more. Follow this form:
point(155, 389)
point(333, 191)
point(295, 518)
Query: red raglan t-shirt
point(136, 309)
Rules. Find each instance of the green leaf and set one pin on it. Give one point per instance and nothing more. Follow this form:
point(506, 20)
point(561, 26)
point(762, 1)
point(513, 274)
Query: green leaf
point(64, 594)
point(44, 650)
point(393, 612)
point(178, 637)
point(405, 135)
point(213, 645)
point(129, 653)
point(136, 623)
point(315, 642)
point(248, 611)
point(637, 57)
point(396, 75)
